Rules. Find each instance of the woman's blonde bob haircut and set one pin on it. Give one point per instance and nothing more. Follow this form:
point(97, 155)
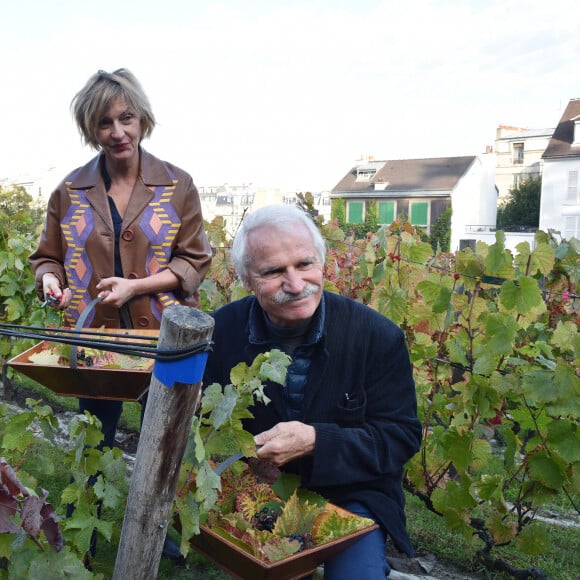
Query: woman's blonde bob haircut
point(91, 104)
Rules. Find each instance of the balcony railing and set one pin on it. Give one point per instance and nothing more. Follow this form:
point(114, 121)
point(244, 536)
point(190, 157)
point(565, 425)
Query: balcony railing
point(492, 229)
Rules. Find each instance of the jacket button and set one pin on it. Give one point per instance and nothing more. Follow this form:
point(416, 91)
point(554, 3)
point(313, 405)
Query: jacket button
point(143, 321)
point(133, 276)
point(128, 235)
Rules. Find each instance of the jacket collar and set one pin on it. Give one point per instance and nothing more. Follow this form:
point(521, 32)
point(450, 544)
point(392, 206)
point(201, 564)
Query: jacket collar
point(258, 330)
point(152, 172)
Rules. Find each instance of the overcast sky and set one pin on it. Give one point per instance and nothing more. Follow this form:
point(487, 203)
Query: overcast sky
point(287, 93)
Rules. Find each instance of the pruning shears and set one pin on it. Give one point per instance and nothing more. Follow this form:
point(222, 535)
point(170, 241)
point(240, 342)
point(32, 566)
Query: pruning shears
point(50, 299)
point(219, 469)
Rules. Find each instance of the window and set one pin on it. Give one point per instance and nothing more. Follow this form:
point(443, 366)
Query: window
point(355, 212)
point(518, 178)
point(572, 227)
point(386, 212)
point(576, 132)
point(467, 244)
point(572, 196)
point(365, 174)
point(518, 153)
point(419, 213)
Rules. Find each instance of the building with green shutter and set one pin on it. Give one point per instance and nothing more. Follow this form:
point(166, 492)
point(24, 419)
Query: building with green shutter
point(420, 191)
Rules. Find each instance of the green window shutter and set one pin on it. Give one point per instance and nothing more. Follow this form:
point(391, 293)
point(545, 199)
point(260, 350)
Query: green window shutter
point(419, 212)
point(355, 212)
point(386, 212)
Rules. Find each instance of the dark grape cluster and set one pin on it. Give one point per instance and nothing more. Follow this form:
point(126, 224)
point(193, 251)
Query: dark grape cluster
point(265, 519)
point(305, 540)
point(82, 357)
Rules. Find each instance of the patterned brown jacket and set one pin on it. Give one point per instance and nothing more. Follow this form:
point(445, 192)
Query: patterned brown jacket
point(162, 228)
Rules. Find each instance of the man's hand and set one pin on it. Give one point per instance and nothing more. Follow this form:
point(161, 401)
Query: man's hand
point(285, 442)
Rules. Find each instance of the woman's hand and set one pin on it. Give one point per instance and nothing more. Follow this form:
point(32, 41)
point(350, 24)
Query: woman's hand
point(51, 287)
point(286, 441)
point(116, 291)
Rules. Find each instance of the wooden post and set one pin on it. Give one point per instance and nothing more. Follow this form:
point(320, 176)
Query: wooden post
point(166, 426)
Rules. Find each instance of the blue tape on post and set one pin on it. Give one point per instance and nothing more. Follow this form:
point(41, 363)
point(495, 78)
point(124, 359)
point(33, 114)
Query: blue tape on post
point(188, 370)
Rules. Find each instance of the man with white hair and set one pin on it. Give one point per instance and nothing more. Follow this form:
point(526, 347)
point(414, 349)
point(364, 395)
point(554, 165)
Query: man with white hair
point(346, 419)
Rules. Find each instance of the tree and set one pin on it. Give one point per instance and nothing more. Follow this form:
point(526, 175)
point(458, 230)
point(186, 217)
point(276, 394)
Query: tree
point(19, 211)
point(441, 232)
point(522, 207)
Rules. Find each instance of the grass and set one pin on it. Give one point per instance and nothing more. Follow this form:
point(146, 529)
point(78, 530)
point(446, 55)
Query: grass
point(430, 534)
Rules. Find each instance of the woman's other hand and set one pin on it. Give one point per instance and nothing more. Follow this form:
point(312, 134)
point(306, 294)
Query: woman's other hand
point(116, 291)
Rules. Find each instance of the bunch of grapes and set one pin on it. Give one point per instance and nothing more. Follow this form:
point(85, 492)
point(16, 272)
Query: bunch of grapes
point(265, 519)
point(82, 357)
point(306, 541)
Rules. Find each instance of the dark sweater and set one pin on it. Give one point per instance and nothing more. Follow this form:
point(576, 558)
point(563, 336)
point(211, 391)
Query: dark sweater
point(359, 397)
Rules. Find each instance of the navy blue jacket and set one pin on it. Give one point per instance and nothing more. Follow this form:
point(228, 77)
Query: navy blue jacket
point(360, 398)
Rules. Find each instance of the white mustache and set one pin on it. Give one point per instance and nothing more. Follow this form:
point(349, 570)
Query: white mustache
point(284, 297)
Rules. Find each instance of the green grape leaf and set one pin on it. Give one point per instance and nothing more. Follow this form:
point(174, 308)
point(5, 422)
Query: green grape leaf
point(501, 332)
point(498, 259)
point(565, 399)
point(573, 271)
point(420, 252)
point(482, 452)
point(564, 439)
point(543, 258)
point(392, 303)
point(485, 363)
point(222, 413)
point(443, 300)
point(275, 367)
point(212, 395)
point(286, 485)
point(331, 525)
point(523, 296)
point(549, 470)
point(456, 504)
point(565, 335)
point(189, 518)
point(53, 564)
point(538, 386)
point(458, 447)
point(109, 493)
point(296, 517)
point(533, 540)
point(502, 530)
point(244, 440)
point(429, 289)
point(490, 488)
point(207, 485)
point(511, 446)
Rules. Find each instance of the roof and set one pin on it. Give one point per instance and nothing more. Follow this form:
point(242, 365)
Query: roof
point(527, 134)
point(407, 175)
point(560, 144)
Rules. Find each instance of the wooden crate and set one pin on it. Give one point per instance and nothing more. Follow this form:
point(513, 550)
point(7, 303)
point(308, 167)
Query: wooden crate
point(90, 382)
point(241, 564)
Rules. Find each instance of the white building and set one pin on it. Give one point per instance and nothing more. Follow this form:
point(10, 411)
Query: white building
point(518, 156)
point(421, 190)
point(560, 202)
